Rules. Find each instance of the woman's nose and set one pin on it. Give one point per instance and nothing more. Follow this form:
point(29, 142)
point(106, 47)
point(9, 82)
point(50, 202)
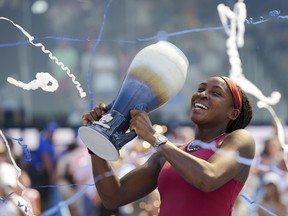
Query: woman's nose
point(203, 94)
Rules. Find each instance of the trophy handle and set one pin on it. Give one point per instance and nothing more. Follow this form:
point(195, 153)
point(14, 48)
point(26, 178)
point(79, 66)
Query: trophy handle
point(123, 138)
point(109, 106)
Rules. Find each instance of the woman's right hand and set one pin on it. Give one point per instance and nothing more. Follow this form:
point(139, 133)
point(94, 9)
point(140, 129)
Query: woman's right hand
point(94, 115)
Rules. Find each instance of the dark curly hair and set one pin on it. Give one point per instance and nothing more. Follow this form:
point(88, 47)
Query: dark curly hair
point(244, 117)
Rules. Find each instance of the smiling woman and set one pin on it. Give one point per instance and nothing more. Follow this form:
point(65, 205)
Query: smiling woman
point(239, 118)
point(202, 176)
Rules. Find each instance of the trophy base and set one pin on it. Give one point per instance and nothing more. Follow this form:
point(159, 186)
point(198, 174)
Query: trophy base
point(98, 143)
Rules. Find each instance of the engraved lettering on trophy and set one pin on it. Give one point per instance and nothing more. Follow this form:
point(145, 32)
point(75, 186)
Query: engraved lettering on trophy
point(104, 120)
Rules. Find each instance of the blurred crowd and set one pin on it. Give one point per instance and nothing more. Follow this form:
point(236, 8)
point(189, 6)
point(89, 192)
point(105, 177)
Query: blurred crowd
point(100, 67)
point(58, 179)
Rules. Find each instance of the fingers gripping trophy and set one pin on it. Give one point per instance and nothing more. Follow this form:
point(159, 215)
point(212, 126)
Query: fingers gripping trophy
point(156, 74)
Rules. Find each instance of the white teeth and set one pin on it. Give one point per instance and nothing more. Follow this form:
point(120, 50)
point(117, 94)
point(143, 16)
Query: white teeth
point(201, 106)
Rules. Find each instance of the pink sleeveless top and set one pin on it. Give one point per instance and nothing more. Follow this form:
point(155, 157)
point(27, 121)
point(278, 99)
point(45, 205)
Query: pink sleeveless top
point(178, 197)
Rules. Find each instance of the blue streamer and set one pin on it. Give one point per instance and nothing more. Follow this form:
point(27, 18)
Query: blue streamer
point(62, 204)
point(77, 195)
point(21, 205)
point(160, 36)
point(90, 92)
point(252, 202)
point(26, 152)
point(272, 14)
point(64, 39)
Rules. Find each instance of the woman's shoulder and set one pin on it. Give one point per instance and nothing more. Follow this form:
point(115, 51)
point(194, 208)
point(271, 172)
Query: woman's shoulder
point(242, 135)
point(242, 141)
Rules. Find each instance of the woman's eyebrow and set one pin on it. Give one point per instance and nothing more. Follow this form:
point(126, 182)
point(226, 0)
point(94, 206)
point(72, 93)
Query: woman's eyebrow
point(202, 84)
point(219, 87)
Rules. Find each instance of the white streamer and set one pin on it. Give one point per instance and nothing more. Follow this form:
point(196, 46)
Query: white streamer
point(280, 130)
point(59, 63)
point(43, 79)
point(28, 209)
point(237, 157)
point(236, 39)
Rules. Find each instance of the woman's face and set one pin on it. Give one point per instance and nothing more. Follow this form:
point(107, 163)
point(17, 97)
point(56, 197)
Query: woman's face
point(212, 103)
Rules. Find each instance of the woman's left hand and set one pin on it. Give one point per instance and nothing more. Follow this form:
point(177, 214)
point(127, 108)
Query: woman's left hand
point(141, 124)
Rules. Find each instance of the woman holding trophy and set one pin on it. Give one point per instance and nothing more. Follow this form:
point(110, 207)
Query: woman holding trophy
point(202, 177)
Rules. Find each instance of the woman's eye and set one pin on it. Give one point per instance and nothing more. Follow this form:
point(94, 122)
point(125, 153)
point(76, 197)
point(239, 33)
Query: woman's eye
point(200, 90)
point(216, 93)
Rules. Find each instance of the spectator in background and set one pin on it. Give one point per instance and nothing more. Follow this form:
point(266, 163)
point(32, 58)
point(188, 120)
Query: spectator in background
point(9, 186)
point(78, 168)
point(65, 178)
point(43, 165)
point(272, 200)
point(272, 153)
point(271, 158)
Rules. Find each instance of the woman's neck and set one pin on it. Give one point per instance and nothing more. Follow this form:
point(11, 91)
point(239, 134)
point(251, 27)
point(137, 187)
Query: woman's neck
point(206, 135)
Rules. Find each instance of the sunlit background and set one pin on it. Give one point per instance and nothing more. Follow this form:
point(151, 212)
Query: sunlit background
point(97, 40)
point(70, 29)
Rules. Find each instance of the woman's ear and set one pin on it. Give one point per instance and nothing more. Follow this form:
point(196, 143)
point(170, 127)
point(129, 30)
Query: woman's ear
point(234, 114)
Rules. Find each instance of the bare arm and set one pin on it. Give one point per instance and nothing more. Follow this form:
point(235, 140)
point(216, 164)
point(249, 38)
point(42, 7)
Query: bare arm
point(212, 174)
point(205, 175)
point(115, 192)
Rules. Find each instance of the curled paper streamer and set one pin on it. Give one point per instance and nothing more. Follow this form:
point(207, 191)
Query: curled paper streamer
point(50, 55)
point(28, 206)
point(252, 89)
point(235, 31)
point(233, 22)
point(43, 80)
point(24, 147)
point(26, 152)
